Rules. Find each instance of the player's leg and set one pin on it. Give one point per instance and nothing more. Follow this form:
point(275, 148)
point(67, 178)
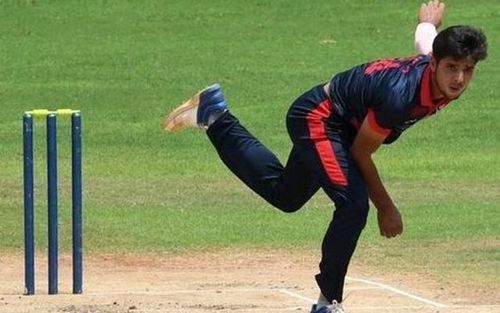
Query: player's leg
point(286, 188)
point(349, 218)
point(341, 237)
point(324, 148)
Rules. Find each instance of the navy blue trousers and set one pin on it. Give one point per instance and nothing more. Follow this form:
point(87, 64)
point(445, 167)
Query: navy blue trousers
point(319, 158)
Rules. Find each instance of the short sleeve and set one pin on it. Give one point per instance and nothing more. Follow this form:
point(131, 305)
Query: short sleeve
point(388, 111)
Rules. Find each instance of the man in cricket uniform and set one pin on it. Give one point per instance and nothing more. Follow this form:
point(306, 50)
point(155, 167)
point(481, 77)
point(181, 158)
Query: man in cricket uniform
point(335, 128)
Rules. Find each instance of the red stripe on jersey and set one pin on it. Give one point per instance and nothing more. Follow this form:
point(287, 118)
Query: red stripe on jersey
point(316, 125)
point(372, 121)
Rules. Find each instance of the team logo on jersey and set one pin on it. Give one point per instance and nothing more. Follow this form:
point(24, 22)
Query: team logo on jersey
point(404, 64)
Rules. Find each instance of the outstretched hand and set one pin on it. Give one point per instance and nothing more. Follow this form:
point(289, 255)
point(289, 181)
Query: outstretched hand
point(431, 12)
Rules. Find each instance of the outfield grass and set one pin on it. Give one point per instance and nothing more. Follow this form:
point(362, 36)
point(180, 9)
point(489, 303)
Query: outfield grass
point(125, 63)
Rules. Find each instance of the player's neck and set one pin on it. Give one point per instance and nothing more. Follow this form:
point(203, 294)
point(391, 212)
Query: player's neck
point(436, 92)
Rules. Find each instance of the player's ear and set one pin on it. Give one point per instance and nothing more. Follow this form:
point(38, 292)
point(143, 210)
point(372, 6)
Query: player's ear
point(432, 62)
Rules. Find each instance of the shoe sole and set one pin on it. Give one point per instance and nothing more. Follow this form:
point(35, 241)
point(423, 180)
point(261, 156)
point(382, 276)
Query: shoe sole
point(172, 122)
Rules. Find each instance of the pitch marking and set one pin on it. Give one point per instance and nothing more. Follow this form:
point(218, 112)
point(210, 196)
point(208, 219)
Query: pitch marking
point(399, 291)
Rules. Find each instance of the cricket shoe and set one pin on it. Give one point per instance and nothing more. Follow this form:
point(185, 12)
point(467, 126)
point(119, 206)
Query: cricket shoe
point(335, 307)
point(201, 110)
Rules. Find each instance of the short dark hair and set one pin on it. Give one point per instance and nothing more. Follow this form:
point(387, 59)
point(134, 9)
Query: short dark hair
point(460, 42)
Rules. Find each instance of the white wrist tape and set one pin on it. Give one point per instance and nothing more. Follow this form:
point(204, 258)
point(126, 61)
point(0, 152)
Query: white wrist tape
point(424, 37)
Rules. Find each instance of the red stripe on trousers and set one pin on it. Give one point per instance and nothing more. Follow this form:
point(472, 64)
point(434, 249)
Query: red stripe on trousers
point(324, 147)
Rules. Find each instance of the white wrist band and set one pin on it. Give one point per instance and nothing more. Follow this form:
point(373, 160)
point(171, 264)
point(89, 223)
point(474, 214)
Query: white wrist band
point(424, 37)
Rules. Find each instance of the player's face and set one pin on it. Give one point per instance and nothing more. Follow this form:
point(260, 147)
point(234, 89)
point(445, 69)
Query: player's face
point(451, 76)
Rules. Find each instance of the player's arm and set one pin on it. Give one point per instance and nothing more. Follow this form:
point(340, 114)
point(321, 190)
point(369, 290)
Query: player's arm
point(367, 142)
point(430, 16)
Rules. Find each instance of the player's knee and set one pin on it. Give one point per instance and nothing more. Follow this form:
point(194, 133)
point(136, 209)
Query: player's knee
point(288, 206)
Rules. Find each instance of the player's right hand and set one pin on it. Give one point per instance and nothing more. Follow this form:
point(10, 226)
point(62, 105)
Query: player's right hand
point(390, 222)
point(432, 12)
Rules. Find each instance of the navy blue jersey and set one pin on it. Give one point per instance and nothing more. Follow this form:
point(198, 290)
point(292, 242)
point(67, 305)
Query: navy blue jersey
point(393, 93)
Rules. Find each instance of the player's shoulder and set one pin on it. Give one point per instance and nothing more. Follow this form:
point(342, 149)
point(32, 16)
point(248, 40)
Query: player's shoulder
point(395, 81)
point(399, 65)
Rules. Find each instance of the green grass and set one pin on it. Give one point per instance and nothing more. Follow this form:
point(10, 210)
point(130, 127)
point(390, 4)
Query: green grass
point(126, 63)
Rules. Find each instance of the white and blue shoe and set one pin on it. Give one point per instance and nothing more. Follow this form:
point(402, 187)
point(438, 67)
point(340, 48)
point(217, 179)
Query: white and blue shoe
point(201, 110)
point(335, 307)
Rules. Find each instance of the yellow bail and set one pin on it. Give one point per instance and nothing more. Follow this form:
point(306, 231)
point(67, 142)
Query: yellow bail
point(45, 112)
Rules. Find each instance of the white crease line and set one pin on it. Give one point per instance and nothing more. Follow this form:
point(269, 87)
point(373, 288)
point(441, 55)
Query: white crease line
point(165, 293)
point(296, 295)
point(363, 307)
point(398, 291)
point(361, 288)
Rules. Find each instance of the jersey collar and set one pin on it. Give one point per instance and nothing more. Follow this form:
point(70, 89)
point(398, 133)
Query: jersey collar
point(426, 94)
